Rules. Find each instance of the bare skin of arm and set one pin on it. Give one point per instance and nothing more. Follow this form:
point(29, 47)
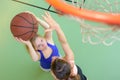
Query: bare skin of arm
point(32, 52)
point(69, 56)
point(48, 32)
point(61, 37)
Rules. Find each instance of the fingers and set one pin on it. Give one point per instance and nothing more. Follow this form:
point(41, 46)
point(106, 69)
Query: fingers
point(51, 22)
point(44, 17)
point(48, 30)
point(47, 19)
point(23, 41)
point(47, 14)
point(19, 40)
point(16, 38)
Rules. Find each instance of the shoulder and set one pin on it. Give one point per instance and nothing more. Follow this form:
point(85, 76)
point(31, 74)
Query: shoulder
point(50, 43)
point(73, 67)
point(74, 70)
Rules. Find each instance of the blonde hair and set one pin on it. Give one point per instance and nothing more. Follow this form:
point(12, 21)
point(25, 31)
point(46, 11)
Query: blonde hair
point(31, 41)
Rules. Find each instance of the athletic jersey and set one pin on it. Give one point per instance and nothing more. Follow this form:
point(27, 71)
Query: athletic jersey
point(83, 77)
point(45, 63)
point(77, 70)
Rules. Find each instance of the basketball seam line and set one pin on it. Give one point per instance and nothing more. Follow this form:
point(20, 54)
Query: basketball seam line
point(26, 20)
point(24, 33)
point(23, 26)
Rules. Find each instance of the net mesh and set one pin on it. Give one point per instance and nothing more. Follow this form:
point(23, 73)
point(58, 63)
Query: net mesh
point(94, 32)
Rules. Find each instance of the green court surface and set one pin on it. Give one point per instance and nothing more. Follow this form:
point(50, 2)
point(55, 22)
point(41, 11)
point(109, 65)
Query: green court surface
point(98, 62)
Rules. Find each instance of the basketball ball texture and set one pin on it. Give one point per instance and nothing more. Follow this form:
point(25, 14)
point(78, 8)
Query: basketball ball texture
point(24, 25)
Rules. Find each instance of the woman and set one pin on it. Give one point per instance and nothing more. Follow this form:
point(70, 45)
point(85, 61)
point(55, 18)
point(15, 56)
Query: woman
point(40, 48)
point(63, 68)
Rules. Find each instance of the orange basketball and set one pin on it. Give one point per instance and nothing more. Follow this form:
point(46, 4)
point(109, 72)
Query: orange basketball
point(24, 25)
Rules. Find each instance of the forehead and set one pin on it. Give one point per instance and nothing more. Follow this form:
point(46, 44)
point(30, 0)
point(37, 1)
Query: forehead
point(38, 39)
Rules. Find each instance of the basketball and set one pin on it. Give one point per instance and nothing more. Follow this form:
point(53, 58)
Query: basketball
point(24, 25)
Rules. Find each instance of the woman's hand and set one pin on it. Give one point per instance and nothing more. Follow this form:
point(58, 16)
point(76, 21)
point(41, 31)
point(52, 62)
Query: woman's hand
point(43, 23)
point(23, 41)
point(52, 23)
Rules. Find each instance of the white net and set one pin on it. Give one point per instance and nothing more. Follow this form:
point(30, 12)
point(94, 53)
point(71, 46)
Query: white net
point(94, 32)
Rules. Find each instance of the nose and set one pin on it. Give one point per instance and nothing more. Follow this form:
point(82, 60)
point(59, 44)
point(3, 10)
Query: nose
point(42, 45)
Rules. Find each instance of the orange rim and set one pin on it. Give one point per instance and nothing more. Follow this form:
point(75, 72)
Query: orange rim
point(86, 14)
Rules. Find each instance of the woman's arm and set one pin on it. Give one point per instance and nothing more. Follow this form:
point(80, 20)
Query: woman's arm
point(48, 33)
point(43, 23)
point(61, 37)
point(34, 55)
point(63, 41)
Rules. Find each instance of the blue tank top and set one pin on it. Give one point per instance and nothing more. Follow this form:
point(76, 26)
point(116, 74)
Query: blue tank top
point(46, 62)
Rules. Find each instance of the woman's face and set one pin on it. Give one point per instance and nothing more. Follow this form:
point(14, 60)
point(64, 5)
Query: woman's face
point(40, 43)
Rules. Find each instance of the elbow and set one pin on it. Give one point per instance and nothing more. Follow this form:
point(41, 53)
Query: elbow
point(63, 41)
point(35, 59)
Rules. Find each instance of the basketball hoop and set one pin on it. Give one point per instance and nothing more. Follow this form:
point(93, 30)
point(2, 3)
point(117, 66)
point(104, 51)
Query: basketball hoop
point(99, 20)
